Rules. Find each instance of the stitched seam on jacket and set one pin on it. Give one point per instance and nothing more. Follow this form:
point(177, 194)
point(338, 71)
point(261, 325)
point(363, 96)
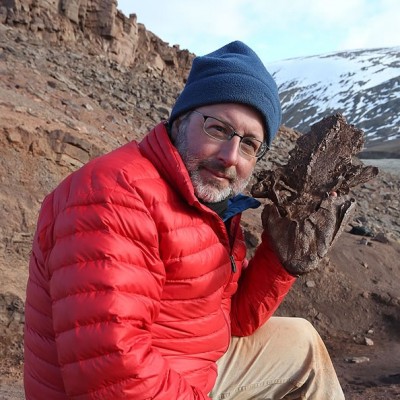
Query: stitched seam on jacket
point(109, 320)
point(197, 276)
point(38, 311)
point(51, 338)
point(42, 383)
point(97, 290)
point(207, 248)
point(103, 387)
point(110, 260)
point(40, 358)
point(189, 339)
point(100, 228)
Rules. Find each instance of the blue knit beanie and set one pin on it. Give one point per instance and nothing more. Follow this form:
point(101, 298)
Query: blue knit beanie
point(232, 74)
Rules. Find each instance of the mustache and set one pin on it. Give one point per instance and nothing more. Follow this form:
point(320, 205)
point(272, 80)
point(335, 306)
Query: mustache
point(215, 165)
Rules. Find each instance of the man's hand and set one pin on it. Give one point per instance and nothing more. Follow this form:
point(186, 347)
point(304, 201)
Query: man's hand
point(300, 245)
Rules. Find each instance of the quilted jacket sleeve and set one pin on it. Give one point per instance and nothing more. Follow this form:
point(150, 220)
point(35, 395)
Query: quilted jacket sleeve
point(262, 287)
point(106, 279)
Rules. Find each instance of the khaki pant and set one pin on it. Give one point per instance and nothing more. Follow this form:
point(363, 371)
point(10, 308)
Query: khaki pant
point(284, 359)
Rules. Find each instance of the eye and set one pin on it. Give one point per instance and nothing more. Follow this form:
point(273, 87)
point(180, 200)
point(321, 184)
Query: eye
point(217, 128)
point(250, 145)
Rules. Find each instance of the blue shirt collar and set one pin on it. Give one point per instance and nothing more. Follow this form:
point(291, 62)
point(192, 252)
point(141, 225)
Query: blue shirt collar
point(238, 204)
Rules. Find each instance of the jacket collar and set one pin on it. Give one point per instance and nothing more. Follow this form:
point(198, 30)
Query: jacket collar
point(158, 148)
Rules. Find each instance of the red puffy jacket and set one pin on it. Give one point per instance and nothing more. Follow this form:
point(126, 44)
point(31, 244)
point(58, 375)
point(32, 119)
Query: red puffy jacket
point(131, 294)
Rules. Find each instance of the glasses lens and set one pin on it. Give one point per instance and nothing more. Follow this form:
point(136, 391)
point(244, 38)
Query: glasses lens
point(250, 146)
point(221, 131)
point(217, 129)
point(262, 150)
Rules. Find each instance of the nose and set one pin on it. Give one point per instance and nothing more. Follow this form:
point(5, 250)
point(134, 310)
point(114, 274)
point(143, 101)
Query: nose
point(229, 152)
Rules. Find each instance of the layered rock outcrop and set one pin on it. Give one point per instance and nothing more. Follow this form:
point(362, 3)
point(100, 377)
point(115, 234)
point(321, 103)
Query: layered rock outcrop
point(99, 25)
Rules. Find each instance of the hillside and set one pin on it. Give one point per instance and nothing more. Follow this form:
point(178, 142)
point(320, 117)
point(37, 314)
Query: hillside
point(362, 84)
point(63, 102)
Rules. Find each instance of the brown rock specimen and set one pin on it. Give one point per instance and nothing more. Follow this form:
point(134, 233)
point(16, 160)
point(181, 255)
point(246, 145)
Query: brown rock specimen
point(301, 217)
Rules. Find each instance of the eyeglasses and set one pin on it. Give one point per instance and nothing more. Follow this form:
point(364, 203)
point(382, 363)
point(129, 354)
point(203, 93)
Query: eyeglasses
point(222, 131)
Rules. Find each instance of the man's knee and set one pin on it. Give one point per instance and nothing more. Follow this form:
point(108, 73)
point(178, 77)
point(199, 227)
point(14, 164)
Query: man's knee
point(293, 324)
point(302, 325)
point(296, 332)
point(304, 330)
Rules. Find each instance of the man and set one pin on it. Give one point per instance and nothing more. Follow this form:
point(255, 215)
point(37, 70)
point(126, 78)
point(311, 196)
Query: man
point(138, 278)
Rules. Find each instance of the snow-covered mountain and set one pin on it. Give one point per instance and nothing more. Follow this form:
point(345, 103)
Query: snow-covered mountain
point(363, 85)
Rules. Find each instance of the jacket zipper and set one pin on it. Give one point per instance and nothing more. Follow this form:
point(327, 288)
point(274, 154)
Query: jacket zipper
point(232, 237)
point(233, 264)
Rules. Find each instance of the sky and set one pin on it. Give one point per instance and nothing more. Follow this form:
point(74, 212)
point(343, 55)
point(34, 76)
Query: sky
point(275, 29)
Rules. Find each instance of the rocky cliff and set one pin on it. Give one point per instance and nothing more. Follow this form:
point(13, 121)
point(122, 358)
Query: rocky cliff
point(99, 25)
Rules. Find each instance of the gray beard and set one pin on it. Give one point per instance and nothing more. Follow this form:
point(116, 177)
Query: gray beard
point(209, 192)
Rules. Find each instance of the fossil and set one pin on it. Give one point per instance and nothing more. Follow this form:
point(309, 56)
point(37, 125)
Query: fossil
point(308, 203)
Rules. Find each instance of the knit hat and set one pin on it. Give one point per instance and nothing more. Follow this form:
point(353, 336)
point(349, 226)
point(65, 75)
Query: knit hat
point(232, 74)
